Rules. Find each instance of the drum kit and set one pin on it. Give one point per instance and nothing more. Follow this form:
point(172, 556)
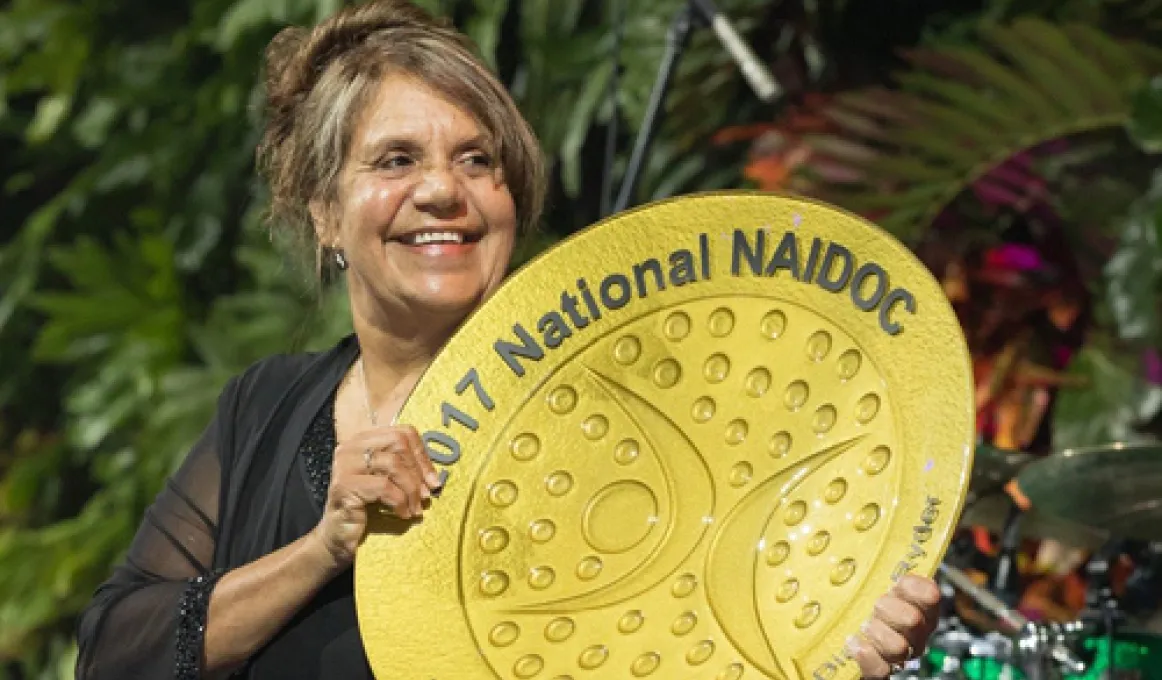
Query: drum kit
point(1106, 500)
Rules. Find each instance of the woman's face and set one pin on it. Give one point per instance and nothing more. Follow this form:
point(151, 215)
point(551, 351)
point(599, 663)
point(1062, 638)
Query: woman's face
point(424, 216)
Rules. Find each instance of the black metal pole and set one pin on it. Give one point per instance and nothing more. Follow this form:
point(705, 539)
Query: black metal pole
point(676, 39)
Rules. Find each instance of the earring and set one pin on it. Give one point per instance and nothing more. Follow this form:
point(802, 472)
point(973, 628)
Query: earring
point(340, 261)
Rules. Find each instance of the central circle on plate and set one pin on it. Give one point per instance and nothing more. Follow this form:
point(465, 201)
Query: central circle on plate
point(620, 516)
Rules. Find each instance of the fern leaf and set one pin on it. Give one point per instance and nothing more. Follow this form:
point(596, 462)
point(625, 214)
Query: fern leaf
point(936, 145)
point(957, 124)
point(968, 99)
point(875, 102)
point(1103, 94)
point(1028, 101)
point(1112, 55)
point(1042, 73)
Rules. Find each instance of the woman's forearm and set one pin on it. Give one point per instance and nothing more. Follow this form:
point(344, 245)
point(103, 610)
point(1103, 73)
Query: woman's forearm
point(249, 605)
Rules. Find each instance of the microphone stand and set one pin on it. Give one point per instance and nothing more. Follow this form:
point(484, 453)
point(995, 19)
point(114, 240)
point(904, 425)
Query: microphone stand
point(677, 37)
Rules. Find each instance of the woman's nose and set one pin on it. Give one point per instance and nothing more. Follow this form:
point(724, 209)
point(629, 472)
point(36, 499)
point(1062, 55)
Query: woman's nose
point(438, 191)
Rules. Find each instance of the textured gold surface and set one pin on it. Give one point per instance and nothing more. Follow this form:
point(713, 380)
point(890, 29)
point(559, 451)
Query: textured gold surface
point(715, 479)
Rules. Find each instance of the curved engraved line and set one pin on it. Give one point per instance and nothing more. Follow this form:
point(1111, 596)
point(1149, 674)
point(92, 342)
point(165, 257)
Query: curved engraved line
point(742, 520)
point(686, 466)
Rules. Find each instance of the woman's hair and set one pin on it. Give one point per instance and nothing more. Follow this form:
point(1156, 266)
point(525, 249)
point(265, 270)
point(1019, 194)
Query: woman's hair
point(319, 80)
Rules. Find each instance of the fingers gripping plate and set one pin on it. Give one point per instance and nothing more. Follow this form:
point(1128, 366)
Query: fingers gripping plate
point(712, 485)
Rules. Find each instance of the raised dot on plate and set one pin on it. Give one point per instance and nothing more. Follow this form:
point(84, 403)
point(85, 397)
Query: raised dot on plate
point(867, 408)
point(559, 483)
point(736, 432)
point(824, 419)
point(684, 585)
point(562, 400)
point(819, 346)
point(740, 474)
point(525, 447)
point(502, 494)
point(667, 373)
point(795, 513)
point(559, 629)
point(841, 573)
point(778, 552)
point(757, 382)
point(787, 590)
point(589, 568)
point(867, 517)
point(835, 491)
point(796, 395)
point(848, 364)
point(504, 634)
point(716, 369)
point(528, 665)
point(877, 460)
point(630, 622)
point(684, 623)
point(808, 615)
point(595, 426)
point(818, 543)
point(773, 325)
point(627, 350)
point(731, 672)
point(493, 540)
point(626, 451)
point(780, 444)
point(721, 322)
point(493, 583)
point(677, 326)
point(700, 653)
point(645, 664)
point(542, 530)
point(541, 577)
point(592, 657)
point(702, 410)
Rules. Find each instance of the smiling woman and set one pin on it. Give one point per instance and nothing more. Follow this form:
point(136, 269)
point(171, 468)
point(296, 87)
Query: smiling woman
point(393, 148)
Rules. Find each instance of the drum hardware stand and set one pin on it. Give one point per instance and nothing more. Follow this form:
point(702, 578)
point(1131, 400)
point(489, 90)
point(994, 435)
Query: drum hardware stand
point(1101, 602)
point(1034, 644)
point(691, 13)
point(1006, 579)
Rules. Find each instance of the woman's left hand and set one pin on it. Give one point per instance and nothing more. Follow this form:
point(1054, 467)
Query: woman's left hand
point(899, 629)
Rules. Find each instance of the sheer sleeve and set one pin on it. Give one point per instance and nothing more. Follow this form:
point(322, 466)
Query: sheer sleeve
point(147, 620)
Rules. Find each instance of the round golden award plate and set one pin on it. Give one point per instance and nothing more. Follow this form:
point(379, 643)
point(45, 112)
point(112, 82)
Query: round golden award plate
point(697, 440)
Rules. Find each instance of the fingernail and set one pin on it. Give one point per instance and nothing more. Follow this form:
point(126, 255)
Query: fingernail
point(851, 646)
point(425, 493)
point(432, 479)
point(865, 627)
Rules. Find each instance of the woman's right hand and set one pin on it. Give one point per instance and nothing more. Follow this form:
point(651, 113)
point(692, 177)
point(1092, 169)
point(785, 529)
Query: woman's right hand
point(383, 465)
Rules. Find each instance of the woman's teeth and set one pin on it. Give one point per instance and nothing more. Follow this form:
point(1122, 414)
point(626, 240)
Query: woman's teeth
point(426, 237)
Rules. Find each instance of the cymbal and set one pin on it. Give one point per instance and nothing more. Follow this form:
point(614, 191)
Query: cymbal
point(1115, 488)
point(697, 440)
point(992, 468)
point(992, 513)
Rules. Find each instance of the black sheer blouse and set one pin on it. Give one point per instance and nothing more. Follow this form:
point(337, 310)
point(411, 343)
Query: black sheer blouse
point(255, 482)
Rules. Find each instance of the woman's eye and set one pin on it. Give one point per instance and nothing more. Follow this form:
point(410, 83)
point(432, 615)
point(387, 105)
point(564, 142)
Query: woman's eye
point(395, 162)
point(478, 160)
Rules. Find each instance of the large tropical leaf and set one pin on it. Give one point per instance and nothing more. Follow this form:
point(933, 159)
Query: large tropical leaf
point(965, 111)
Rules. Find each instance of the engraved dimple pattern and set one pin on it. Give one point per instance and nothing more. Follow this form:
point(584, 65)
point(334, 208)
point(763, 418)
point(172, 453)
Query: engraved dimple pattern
point(699, 481)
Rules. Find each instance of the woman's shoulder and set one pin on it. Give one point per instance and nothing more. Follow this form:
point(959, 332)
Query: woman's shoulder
point(260, 386)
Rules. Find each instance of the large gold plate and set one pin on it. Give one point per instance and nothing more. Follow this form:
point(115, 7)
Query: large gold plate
point(679, 446)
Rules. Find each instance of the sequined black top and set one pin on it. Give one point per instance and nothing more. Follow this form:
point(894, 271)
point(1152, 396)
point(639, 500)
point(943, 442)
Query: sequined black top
point(254, 482)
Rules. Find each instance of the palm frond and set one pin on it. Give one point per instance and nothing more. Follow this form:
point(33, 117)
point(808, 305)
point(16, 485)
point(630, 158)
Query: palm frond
point(962, 111)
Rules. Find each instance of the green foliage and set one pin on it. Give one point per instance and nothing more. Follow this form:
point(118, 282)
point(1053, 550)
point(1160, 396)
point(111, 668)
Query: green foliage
point(1146, 124)
point(964, 109)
